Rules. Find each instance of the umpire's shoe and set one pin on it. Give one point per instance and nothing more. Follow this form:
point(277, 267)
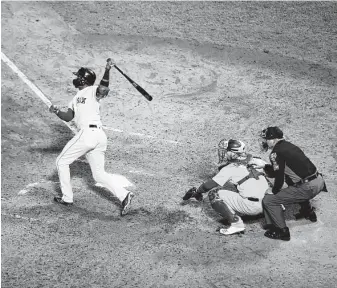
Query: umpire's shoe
point(307, 214)
point(278, 234)
point(126, 203)
point(192, 193)
point(60, 201)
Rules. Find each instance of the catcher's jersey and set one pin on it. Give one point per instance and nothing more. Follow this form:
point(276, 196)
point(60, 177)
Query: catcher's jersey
point(234, 172)
point(86, 108)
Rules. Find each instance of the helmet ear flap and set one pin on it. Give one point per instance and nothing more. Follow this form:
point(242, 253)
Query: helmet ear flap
point(90, 77)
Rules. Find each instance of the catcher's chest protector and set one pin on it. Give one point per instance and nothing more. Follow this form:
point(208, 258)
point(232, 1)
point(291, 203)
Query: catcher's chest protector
point(253, 173)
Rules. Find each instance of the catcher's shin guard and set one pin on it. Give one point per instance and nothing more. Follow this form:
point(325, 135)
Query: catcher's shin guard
point(219, 206)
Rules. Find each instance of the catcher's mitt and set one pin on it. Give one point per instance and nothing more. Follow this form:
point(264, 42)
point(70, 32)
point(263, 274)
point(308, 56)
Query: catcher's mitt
point(192, 193)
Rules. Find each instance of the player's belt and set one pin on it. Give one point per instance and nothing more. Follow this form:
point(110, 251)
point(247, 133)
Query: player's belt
point(308, 179)
point(253, 199)
point(93, 126)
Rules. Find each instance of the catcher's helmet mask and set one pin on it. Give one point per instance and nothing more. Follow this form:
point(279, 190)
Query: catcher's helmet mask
point(231, 150)
point(85, 76)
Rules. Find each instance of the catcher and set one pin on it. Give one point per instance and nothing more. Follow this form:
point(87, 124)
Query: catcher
point(237, 189)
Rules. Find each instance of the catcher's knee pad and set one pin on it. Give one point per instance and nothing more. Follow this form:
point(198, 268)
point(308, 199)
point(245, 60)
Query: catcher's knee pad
point(213, 195)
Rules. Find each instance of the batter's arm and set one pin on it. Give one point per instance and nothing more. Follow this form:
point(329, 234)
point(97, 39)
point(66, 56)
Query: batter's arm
point(103, 88)
point(65, 116)
point(106, 76)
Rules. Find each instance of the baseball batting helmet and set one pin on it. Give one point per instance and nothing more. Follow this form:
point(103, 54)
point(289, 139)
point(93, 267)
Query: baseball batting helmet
point(85, 76)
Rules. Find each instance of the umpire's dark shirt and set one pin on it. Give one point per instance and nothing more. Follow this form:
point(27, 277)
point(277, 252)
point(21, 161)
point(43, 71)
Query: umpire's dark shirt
point(290, 164)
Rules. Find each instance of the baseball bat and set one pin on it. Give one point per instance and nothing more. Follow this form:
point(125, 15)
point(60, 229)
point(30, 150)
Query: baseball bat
point(140, 89)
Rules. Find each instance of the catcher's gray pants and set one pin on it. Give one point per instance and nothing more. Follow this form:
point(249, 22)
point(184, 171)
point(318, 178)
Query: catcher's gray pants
point(293, 194)
point(228, 203)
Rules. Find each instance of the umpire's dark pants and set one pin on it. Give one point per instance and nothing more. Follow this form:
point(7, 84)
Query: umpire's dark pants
point(293, 194)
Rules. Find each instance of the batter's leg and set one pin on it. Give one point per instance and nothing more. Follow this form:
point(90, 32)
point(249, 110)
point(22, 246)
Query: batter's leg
point(74, 149)
point(96, 159)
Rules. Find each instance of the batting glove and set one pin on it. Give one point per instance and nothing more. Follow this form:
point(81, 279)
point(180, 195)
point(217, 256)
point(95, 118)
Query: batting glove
point(54, 109)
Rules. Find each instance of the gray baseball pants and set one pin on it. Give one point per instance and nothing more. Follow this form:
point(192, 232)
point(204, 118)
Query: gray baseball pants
point(292, 194)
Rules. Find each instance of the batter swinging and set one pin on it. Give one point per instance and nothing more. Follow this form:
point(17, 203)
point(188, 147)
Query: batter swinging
point(91, 139)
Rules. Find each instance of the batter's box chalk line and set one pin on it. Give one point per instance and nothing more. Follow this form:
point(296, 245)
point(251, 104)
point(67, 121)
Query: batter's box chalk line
point(48, 103)
point(17, 216)
point(120, 181)
point(33, 185)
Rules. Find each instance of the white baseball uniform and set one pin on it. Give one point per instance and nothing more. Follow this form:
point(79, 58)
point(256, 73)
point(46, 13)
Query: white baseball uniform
point(238, 203)
point(91, 141)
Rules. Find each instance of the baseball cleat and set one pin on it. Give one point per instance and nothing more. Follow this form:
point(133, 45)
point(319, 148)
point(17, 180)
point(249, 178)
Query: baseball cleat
point(278, 234)
point(233, 230)
point(126, 203)
point(60, 201)
point(309, 215)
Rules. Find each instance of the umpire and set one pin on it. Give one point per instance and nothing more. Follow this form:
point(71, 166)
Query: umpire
point(289, 164)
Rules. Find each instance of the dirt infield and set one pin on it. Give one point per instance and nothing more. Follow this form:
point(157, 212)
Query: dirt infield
point(215, 70)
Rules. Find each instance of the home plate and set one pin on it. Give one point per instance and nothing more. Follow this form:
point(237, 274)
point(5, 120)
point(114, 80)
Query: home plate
point(120, 180)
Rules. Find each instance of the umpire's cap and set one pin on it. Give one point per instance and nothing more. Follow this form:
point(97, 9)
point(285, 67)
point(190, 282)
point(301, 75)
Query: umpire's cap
point(272, 133)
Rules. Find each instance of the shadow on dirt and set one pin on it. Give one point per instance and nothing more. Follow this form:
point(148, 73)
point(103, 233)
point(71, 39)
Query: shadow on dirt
point(289, 212)
point(89, 214)
point(82, 170)
point(60, 136)
point(104, 193)
point(55, 149)
point(79, 169)
point(161, 216)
